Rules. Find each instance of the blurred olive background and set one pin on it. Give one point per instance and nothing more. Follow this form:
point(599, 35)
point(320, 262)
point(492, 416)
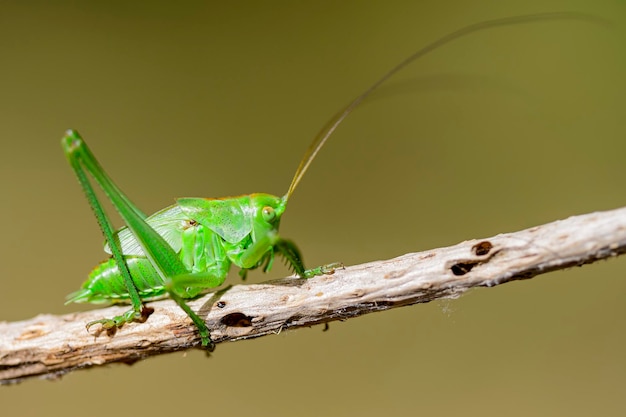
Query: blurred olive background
point(499, 131)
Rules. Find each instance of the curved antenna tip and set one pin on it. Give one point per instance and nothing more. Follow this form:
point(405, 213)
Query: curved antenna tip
point(328, 129)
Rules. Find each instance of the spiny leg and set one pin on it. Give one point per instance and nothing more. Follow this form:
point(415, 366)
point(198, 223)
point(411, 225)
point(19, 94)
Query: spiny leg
point(71, 145)
point(255, 252)
point(291, 253)
point(157, 250)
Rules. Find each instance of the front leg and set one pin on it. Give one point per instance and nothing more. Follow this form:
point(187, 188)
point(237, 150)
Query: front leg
point(291, 253)
point(256, 251)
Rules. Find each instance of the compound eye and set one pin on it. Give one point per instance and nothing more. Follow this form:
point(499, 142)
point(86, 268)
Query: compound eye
point(269, 214)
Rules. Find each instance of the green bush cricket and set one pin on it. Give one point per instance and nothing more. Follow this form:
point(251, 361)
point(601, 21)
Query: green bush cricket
point(188, 248)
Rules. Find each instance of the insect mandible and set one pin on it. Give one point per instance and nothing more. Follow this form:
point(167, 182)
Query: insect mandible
point(189, 247)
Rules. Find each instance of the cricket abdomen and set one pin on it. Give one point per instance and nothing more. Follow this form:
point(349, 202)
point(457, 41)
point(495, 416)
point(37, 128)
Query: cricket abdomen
point(105, 284)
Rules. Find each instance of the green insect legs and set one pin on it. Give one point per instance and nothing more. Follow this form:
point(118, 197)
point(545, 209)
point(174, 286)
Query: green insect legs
point(161, 255)
point(81, 159)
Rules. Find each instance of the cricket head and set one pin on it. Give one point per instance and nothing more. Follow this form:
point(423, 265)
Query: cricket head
point(268, 209)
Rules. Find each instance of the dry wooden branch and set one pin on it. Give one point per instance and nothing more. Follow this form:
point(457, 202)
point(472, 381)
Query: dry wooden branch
point(49, 346)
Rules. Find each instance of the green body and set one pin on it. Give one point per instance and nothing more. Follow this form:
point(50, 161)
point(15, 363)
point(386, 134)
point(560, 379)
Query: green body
point(209, 235)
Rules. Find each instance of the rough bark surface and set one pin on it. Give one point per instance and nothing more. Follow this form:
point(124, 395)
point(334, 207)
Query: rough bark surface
point(49, 346)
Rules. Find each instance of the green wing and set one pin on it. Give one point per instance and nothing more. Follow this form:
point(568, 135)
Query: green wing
point(230, 218)
point(168, 222)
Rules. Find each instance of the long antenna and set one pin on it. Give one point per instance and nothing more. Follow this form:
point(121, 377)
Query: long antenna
point(336, 120)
